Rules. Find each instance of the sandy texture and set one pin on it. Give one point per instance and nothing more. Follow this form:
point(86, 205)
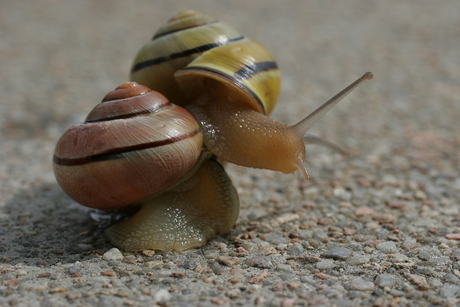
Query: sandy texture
point(378, 228)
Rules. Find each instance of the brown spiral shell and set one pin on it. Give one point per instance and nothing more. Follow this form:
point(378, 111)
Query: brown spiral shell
point(133, 144)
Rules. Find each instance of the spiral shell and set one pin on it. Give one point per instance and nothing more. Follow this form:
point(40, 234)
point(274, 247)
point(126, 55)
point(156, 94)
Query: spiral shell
point(132, 145)
point(182, 39)
point(194, 46)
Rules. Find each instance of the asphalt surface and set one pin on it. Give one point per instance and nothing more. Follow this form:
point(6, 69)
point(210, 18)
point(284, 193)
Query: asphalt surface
point(380, 227)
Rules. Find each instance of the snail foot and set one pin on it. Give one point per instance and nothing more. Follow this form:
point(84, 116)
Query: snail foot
point(203, 206)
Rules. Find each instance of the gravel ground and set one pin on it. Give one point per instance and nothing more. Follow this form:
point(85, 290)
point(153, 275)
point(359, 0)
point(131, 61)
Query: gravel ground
point(379, 228)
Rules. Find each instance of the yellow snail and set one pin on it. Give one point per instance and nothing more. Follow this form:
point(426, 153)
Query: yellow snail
point(138, 150)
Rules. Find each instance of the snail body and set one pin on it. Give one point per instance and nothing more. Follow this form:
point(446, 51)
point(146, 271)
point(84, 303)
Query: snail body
point(161, 157)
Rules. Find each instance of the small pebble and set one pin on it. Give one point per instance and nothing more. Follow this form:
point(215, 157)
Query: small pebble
point(373, 225)
point(296, 249)
point(44, 275)
point(325, 264)
point(188, 265)
point(368, 249)
point(308, 280)
point(237, 271)
point(426, 255)
point(322, 276)
point(337, 253)
point(385, 280)
point(360, 284)
point(228, 261)
point(109, 273)
point(420, 281)
point(259, 262)
point(73, 295)
point(151, 264)
point(148, 252)
point(211, 253)
point(123, 293)
point(234, 280)
point(162, 296)
point(113, 254)
point(288, 302)
point(287, 276)
point(178, 274)
point(284, 267)
point(260, 300)
point(21, 273)
point(449, 290)
point(357, 259)
point(398, 258)
point(221, 300)
point(13, 283)
point(451, 279)
point(293, 286)
point(267, 250)
point(57, 290)
point(387, 247)
point(409, 244)
point(453, 236)
point(364, 211)
point(436, 283)
point(396, 293)
point(281, 286)
point(276, 239)
point(234, 293)
point(217, 268)
point(257, 279)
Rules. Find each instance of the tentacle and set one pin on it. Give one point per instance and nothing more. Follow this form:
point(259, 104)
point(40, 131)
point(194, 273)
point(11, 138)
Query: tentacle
point(313, 139)
point(302, 127)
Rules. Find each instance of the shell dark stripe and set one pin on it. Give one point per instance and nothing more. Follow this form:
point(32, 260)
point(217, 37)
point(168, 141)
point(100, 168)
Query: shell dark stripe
point(181, 29)
point(250, 70)
point(119, 153)
point(129, 115)
point(181, 54)
point(232, 79)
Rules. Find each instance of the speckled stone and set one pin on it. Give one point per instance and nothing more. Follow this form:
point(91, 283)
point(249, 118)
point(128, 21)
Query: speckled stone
point(358, 259)
point(385, 280)
point(387, 247)
point(113, 254)
point(337, 253)
point(325, 265)
point(276, 239)
point(449, 290)
point(260, 262)
point(360, 284)
point(451, 279)
point(162, 296)
point(296, 249)
point(426, 254)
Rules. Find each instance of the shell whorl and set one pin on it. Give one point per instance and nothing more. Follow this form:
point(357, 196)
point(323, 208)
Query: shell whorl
point(182, 39)
point(246, 67)
point(130, 147)
point(195, 46)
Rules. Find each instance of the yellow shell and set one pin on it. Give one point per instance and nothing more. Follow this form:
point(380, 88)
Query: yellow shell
point(196, 45)
point(185, 37)
point(244, 66)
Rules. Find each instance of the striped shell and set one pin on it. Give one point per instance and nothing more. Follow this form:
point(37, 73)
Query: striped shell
point(195, 46)
point(132, 145)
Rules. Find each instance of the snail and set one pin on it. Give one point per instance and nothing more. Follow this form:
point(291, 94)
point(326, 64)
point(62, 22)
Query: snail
point(160, 154)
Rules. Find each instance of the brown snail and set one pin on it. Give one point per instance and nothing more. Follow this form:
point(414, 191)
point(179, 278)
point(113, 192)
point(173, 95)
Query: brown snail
point(137, 149)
